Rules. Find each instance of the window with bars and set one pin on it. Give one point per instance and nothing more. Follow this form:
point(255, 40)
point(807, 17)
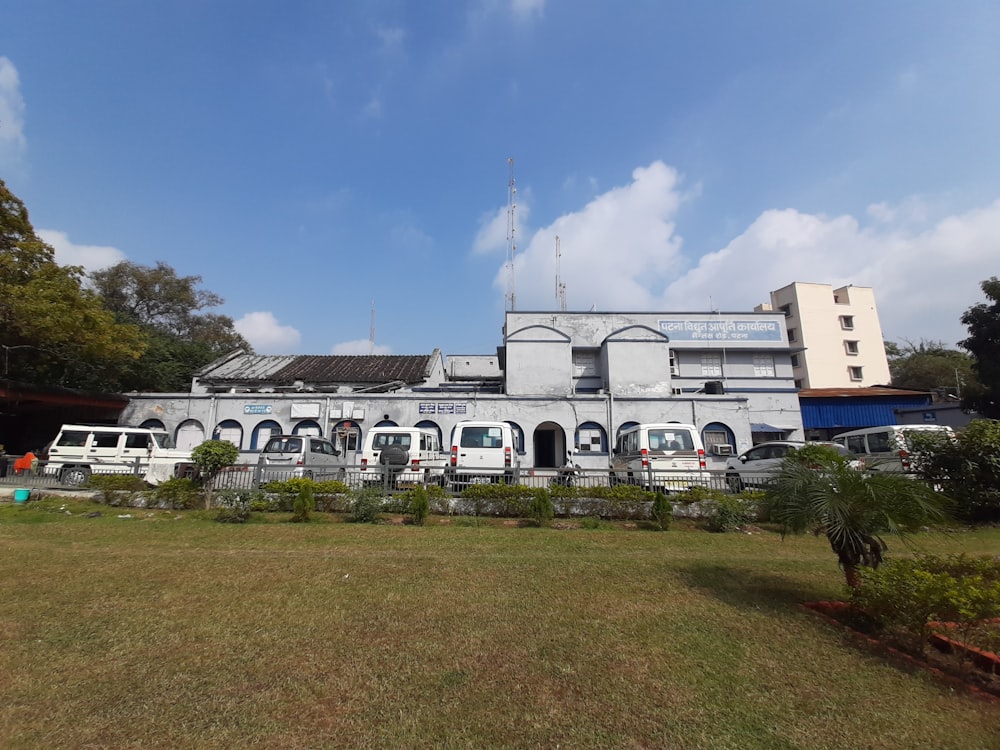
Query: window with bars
point(763, 366)
point(711, 365)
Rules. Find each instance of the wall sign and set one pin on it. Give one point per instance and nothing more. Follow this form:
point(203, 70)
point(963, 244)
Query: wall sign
point(764, 329)
point(432, 407)
point(257, 408)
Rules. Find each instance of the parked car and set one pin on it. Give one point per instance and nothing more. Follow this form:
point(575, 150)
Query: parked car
point(291, 456)
point(410, 454)
point(755, 467)
point(81, 450)
point(482, 452)
point(665, 456)
point(886, 448)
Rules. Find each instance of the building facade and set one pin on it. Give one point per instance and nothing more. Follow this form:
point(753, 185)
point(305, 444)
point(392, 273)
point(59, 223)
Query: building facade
point(834, 334)
point(563, 380)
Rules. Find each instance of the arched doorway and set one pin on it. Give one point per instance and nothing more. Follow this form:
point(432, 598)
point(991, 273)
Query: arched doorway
point(549, 442)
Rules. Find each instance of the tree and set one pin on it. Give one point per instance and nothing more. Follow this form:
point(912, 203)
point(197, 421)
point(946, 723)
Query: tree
point(211, 457)
point(820, 490)
point(931, 366)
point(168, 309)
point(54, 331)
point(983, 343)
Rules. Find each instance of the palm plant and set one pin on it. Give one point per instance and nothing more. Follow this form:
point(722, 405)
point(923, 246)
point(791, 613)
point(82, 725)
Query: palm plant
point(822, 492)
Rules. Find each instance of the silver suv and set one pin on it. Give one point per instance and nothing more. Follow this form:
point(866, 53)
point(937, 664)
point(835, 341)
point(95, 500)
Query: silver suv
point(755, 467)
point(288, 456)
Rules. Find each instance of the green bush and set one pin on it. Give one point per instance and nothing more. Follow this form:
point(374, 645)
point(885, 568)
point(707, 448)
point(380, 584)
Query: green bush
point(232, 506)
point(176, 493)
point(366, 504)
point(418, 505)
point(510, 500)
point(304, 504)
point(967, 467)
point(115, 489)
point(591, 524)
point(540, 508)
point(731, 512)
point(695, 494)
point(907, 595)
point(662, 511)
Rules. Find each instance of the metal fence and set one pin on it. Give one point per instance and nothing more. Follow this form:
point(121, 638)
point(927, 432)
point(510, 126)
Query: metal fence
point(390, 480)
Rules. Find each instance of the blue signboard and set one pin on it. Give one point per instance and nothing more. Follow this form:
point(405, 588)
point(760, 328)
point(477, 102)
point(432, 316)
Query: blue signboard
point(442, 408)
point(256, 408)
point(721, 329)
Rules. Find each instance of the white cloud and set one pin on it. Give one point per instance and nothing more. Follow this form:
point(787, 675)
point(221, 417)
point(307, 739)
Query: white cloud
point(266, 335)
point(91, 257)
point(614, 251)
point(391, 40)
point(622, 252)
point(924, 278)
point(12, 139)
point(360, 346)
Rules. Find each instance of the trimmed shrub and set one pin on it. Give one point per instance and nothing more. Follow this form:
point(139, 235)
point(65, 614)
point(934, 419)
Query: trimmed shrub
point(417, 505)
point(304, 504)
point(540, 509)
point(232, 506)
point(662, 511)
point(907, 595)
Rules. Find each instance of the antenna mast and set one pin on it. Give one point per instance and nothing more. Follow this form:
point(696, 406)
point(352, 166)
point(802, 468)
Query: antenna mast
point(511, 242)
point(560, 286)
point(371, 331)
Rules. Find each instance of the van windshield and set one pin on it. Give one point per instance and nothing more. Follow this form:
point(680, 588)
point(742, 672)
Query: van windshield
point(283, 445)
point(482, 437)
point(384, 440)
point(163, 440)
point(670, 440)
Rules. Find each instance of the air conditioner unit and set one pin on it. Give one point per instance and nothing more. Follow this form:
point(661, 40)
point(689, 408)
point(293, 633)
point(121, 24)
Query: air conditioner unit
point(722, 449)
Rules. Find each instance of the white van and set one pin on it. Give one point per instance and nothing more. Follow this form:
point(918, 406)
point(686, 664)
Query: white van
point(886, 448)
point(81, 450)
point(411, 454)
point(482, 452)
point(665, 456)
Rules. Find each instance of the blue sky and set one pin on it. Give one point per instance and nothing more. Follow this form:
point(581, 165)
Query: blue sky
point(307, 159)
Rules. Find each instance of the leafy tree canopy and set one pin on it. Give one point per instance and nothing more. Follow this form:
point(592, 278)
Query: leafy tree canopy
point(931, 366)
point(983, 343)
point(54, 331)
point(168, 308)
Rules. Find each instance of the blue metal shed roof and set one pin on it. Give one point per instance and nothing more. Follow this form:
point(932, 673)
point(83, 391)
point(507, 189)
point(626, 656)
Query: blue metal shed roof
point(850, 412)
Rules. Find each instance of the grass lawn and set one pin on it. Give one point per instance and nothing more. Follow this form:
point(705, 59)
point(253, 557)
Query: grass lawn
point(166, 630)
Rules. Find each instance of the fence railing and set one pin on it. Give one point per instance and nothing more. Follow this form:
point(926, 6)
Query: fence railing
point(390, 479)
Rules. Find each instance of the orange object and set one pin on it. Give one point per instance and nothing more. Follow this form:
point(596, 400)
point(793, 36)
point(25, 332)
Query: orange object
point(24, 463)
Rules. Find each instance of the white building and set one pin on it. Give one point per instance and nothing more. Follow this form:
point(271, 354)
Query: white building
point(834, 334)
point(561, 379)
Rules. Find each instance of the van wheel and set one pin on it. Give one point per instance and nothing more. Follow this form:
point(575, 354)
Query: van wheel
point(394, 455)
point(74, 476)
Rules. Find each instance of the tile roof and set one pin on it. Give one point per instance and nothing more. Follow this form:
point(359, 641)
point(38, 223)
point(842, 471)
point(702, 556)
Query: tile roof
point(328, 369)
point(866, 392)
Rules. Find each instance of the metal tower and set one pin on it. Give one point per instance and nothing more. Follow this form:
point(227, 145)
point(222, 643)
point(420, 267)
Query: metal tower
point(511, 298)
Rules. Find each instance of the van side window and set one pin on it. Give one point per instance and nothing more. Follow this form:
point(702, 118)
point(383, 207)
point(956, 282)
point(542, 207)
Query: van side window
point(137, 440)
point(73, 439)
point(856, 444)
point(878, 442)
point(106, 439)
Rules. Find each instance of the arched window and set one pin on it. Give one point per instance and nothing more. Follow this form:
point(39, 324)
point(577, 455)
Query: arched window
point(346, 435)
point(231, 430)
point(152, 424)
point(719, 440)
point(624, 426)
point(518, 436)
point(386, 423)
point(591, 438)
point(308, 427)
point(189, 434)
point(426, 423)
point(262, 432)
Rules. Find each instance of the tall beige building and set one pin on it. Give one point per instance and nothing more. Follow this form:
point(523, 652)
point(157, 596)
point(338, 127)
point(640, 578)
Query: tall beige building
point(834, 335)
